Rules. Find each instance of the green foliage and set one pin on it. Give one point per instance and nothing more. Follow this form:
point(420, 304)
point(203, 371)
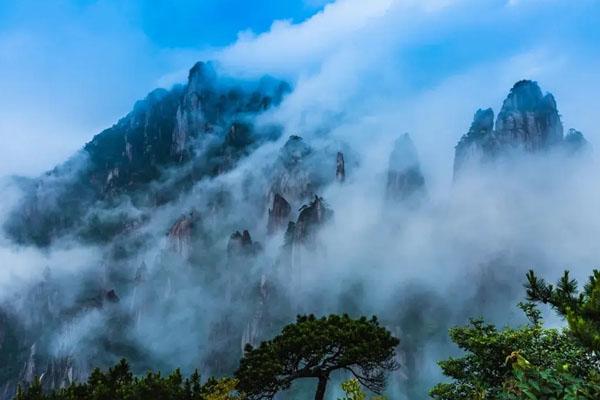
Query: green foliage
point(530, 362)
point(531, 382)
point(581, 309)
point(313, 348)
point(353, 391)
point(119, 383)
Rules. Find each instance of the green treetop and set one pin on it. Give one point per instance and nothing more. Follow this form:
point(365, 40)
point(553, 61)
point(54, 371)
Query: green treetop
point(314, 348)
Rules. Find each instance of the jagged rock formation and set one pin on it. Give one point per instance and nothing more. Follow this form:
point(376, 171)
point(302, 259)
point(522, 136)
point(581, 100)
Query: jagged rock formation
point(527, 122)
point(340, 169)
point(279, 214)
point(478, 144)
point(169, 128)
point(111, 296)
point(207, 106)
point(312, 217)
point(575, 142)
point(294, 179)
point(405, 181)
point(53, 373)
point(529, 119)
point(181, 233)
point(162, 128)
point(255, 327)
point(241, 244)
point(33, 335)
point(300, 171)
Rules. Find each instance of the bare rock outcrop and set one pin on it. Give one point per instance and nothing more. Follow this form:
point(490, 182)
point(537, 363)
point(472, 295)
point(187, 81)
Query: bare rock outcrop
point(312, 217)
point(181, 233)
point(528, 122)
point(293, 178)
point(405, 182)
point(279, 214)
point(340, 169)
point(241, 244)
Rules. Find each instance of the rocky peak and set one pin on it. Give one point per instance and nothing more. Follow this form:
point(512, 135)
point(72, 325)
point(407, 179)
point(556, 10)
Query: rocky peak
point(279, 214)
point(528, 121)
point(111, 296)
point(294, 151)
point(202, 76)
point(181, 233)
point(140, 273)
point(478, 142)
point(210, 105)
point(340, 169)
point(293, 176)
point(525, 95)
point(312, 216)
point(163, 130)
point(575, 142)
point(241, 244)
point(405, 180)
point(483, 124)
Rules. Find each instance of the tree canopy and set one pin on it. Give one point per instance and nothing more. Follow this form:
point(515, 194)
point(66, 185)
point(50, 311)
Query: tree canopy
point(530, 361)
point(314, 348)
point(119, 383)
point(581, 309)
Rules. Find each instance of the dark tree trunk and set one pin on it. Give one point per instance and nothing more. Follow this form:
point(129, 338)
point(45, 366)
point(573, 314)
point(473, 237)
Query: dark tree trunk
point(320, 395)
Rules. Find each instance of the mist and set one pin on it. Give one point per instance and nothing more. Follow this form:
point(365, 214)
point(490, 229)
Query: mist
point(176, 290)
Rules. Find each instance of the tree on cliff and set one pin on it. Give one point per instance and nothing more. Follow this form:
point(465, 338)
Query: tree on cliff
point(314, 348)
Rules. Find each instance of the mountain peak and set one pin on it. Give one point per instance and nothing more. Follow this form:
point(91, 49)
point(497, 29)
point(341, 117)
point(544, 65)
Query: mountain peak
point(525, 95)
point(202, 74)
point(528, 121)
point(405, 180)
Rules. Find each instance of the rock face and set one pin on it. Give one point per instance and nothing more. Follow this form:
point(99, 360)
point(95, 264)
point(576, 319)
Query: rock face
point(311, 218)
point(301, 170)
point(279, 214)
point(340, 170)
point(207, 106)
point(54, 373)
point(254, 329)
point(161, 129)
point(405, 181)
point(575, 142)
point(208, 117)
point(527, 122)
point(241, 244)
point(294, 179)
point(479, 143)
point(23, 360)
point(181, 233)
point(529, 119)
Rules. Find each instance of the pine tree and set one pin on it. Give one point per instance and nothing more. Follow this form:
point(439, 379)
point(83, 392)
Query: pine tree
point(581, 309)
point(314, 348)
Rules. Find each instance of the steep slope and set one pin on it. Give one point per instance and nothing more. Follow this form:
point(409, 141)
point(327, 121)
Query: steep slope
point(202, 127)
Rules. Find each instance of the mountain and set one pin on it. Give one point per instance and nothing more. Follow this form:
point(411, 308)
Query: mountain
point(405, 182)
point(528, 122)
point(211, 115)
point(211, 228)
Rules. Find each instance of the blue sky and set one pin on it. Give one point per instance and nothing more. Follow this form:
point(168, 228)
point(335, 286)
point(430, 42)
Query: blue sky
point(167, 23)
point(69, 68)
